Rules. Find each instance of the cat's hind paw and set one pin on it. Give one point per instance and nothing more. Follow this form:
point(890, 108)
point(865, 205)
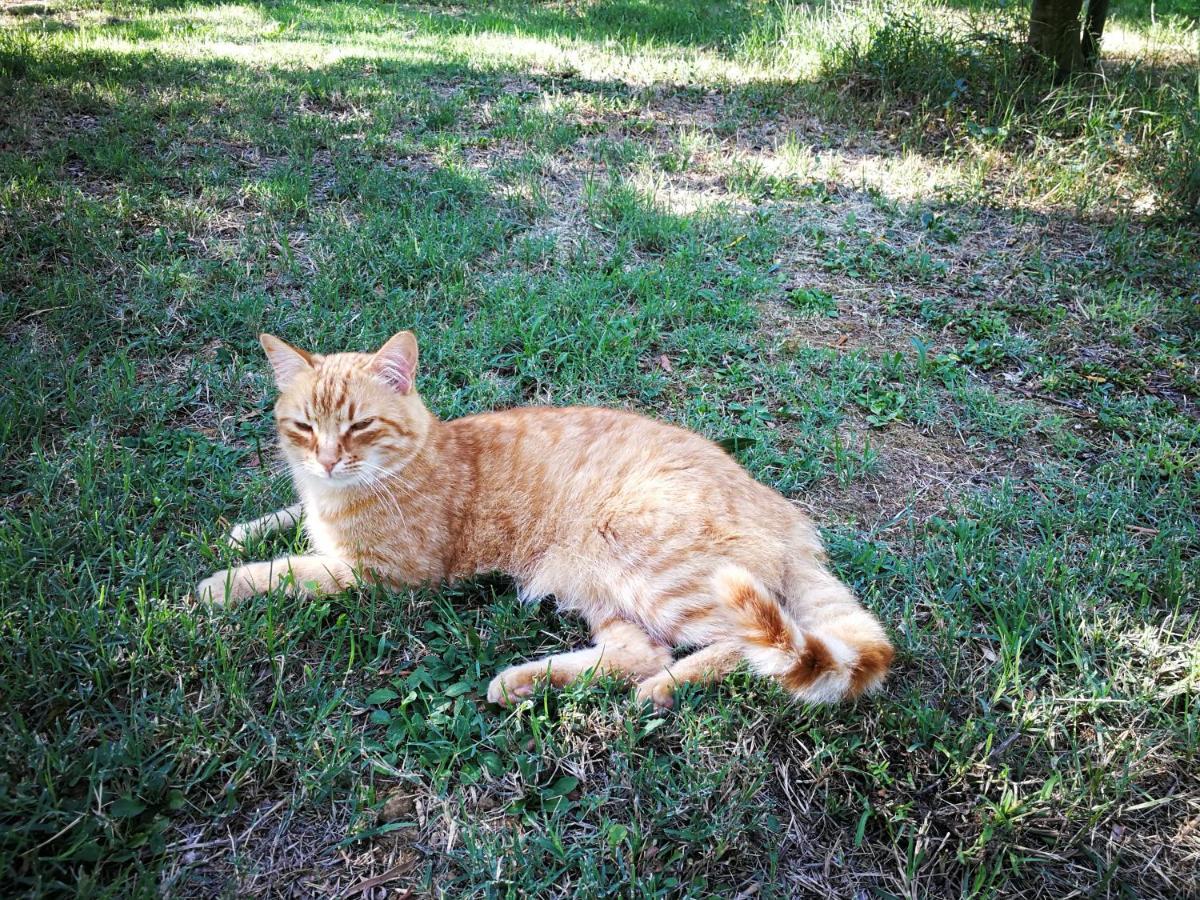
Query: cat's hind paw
point(657, 690)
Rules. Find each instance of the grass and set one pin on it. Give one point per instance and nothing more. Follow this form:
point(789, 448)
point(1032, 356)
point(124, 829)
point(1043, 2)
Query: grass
point(971, 353)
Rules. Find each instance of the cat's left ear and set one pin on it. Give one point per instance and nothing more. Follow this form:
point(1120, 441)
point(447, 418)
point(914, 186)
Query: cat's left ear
point(396, 362)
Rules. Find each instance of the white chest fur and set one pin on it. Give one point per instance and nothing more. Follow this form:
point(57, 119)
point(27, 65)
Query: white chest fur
point(324, 537)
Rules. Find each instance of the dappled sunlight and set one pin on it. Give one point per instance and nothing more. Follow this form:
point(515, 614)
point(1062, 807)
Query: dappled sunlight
point(609, 61)
point(1160, 661)
point(901, 176)
point(685, 196)
point(782, 45)
point(276, 49)
point(1160, 43)
point(248, 35)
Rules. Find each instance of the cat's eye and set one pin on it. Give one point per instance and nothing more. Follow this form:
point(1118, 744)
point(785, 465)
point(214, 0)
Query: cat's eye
point(302, 426)
point(361, 424)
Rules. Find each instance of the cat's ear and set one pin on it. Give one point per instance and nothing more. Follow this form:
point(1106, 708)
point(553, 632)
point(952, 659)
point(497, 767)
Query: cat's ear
point(396, 362)
point(286, 360)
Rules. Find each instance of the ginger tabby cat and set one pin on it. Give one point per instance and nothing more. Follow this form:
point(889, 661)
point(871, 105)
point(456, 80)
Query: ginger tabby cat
point(652, 534)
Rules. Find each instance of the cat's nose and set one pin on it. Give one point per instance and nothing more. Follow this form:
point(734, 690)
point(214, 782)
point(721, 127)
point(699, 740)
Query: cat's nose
point(328, 460)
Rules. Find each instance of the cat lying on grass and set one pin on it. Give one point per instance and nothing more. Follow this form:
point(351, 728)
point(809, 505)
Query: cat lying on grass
point(652, 534)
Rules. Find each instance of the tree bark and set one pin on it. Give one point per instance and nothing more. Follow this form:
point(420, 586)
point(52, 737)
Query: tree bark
point(1093, 30)
point(1054, 34)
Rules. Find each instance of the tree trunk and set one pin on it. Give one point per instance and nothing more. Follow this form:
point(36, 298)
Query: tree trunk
point(1054, 34)
point(1093, 30)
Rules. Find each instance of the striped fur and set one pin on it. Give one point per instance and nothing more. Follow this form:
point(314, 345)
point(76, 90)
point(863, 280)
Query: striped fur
point(816, 665)
point(652, 534)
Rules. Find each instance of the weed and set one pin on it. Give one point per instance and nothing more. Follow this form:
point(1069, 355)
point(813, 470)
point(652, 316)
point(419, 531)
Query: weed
point(813, 302)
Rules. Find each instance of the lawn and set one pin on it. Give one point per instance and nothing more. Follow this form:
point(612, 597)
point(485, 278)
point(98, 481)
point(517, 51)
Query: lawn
point(953, 313)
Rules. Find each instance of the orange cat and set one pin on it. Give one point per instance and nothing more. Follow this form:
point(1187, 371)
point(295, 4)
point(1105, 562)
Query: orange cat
point(652, 534)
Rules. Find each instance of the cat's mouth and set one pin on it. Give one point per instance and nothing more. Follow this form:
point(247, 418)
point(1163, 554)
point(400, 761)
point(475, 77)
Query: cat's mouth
point(340, 475)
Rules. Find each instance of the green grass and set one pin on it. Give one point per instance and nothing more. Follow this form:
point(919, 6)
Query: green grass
point(972, 353)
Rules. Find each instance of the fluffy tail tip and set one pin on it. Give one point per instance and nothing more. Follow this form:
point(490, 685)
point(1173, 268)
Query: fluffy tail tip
point(816, 666)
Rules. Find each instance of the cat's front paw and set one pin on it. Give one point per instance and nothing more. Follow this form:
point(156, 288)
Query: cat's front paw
point(657, 690)
point(513, 685)
point(221, 588)
point(238, 536)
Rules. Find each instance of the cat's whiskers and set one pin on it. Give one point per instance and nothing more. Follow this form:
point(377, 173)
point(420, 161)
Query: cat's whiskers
point(389, 474)
point(378, 488)
point(373, 472)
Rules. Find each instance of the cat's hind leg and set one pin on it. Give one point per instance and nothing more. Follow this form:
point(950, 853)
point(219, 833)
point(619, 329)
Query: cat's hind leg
point(706, 665)
point(620, 648)
point(834, 649)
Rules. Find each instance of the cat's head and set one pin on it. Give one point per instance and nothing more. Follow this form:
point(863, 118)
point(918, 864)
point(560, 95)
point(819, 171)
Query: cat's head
point(348, 419)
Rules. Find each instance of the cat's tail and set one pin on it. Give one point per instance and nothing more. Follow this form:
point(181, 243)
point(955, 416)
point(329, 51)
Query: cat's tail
point(841, 658)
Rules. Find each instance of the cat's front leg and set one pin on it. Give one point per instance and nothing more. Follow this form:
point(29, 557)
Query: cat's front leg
point(294, 574)
point(244, 532)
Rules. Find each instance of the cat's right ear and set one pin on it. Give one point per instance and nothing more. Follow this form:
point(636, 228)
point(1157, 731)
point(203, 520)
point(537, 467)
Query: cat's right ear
point(286, 360)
